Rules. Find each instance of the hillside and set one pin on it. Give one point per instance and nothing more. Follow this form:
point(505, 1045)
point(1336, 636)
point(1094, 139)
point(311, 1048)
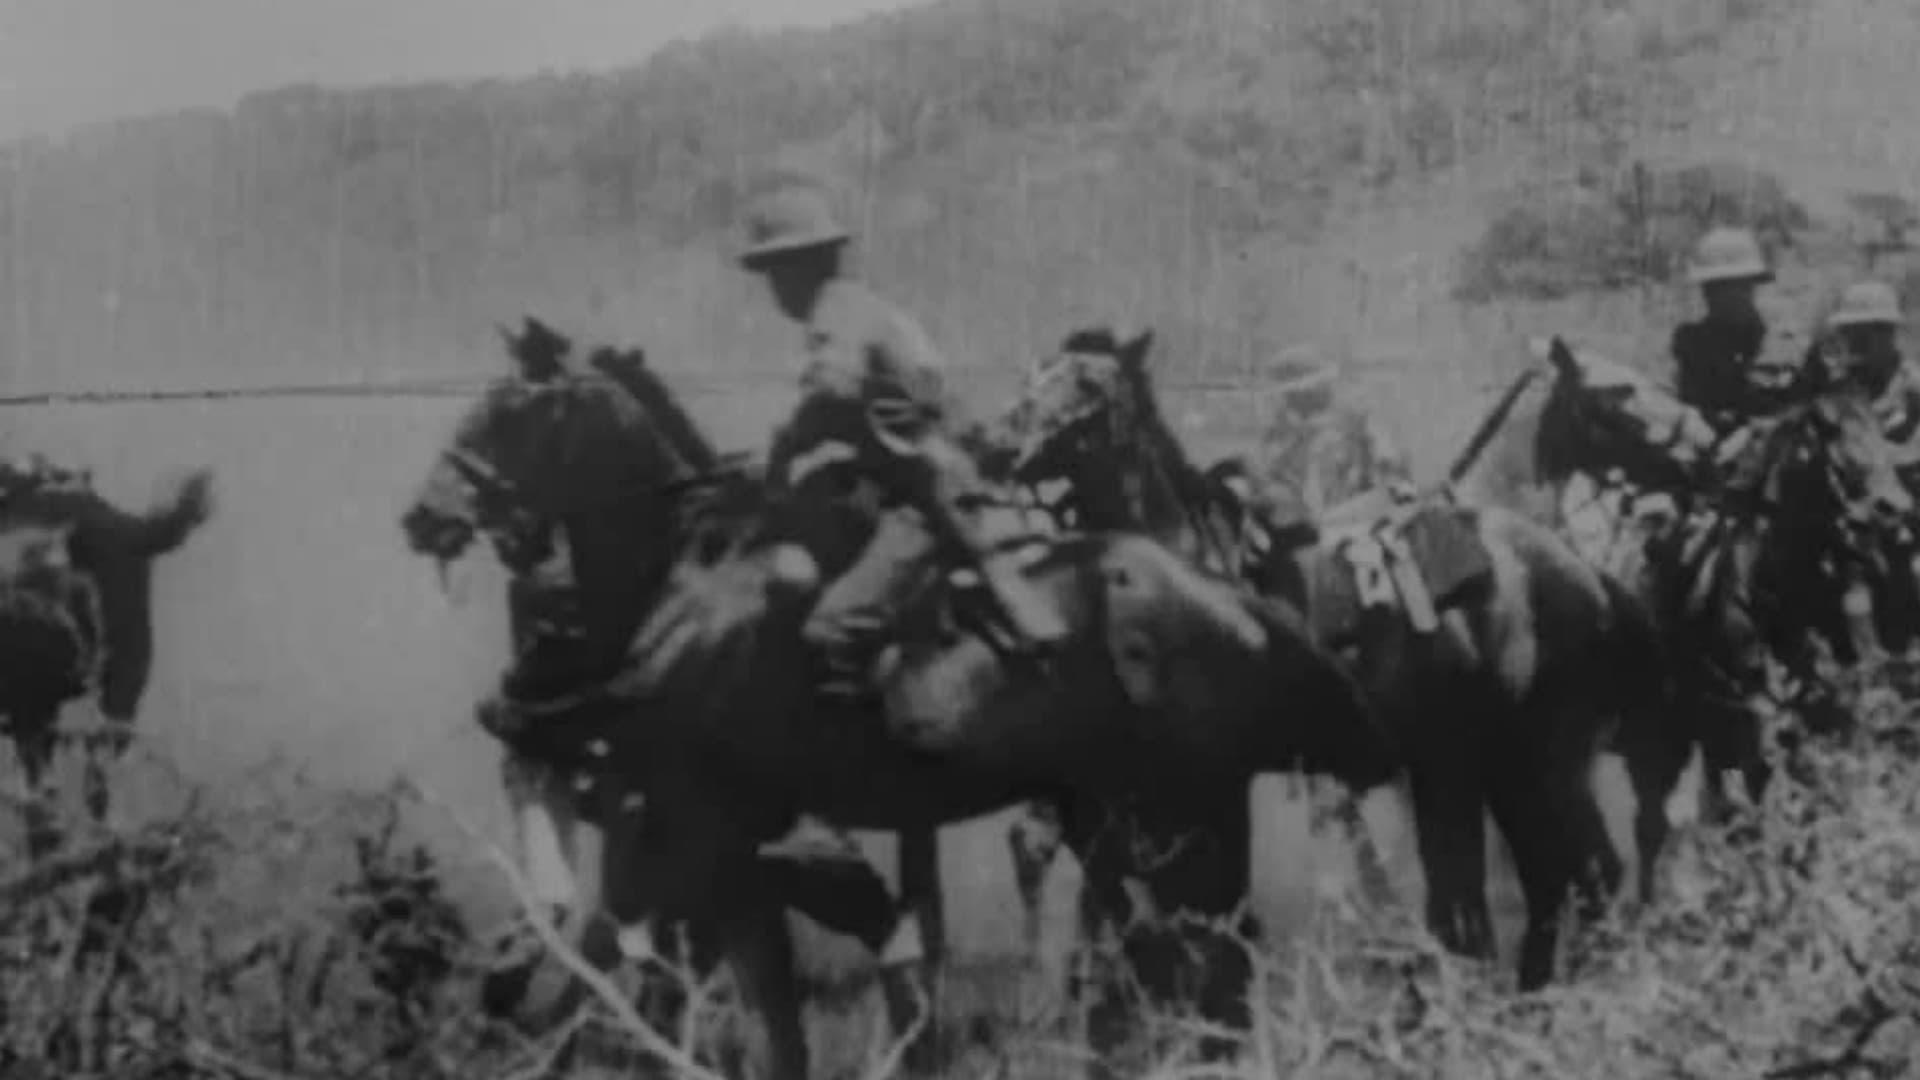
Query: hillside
point(1019, 164)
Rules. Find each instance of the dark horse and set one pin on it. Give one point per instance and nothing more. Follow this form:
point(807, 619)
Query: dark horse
point(1503, 664)
point(588, 468)
point(1741, 551)
point(76, 581)
point(731, 743)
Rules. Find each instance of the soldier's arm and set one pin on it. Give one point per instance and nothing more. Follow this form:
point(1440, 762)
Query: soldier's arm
point(906, 356)
point(1688, 378)
point(1908, 421)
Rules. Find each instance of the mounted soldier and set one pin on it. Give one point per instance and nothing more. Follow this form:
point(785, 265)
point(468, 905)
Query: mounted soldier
point(1859, 340)
point(874, 399)
point(1717, 355)
point(1321, 446)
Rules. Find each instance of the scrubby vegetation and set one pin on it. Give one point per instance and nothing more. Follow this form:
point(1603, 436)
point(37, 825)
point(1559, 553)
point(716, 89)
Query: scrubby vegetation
point(1636, 227)
point(1785, 944)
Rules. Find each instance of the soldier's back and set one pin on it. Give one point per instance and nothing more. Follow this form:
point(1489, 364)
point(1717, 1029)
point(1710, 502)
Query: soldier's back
point(860, 343)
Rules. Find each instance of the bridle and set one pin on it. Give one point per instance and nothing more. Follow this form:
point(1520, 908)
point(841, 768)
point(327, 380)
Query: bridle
point(518, 521)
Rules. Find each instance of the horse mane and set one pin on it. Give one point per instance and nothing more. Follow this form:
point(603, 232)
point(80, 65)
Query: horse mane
point(628, 369)
point(1156, 436)
point(1565, 429)
point(1204, 496)
point(1557, 442)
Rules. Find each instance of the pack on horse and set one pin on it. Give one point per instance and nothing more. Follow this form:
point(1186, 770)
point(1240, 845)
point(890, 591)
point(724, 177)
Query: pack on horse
point(589, 546)
point(732, 738)
point(1429, 602)
point(76, 580)
point(1753, 540)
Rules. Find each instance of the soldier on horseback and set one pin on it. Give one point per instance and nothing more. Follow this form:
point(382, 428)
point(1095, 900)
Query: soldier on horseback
point(873, 396)
point(1321, 445)
point(1716, 356)
point(1859, 340)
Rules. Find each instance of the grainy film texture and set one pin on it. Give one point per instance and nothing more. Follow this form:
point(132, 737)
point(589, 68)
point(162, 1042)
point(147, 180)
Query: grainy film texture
point(971, 538)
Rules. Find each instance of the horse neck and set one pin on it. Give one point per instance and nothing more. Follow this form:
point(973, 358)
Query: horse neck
point(1150, 487)
point(670, 420)
point(619, 563)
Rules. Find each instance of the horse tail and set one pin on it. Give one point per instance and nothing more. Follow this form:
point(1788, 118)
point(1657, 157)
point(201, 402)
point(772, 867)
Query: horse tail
point(1652, 739)
point(171, 520)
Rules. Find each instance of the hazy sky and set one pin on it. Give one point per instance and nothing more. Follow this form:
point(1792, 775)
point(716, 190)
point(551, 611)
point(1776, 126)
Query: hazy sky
point(64, 62)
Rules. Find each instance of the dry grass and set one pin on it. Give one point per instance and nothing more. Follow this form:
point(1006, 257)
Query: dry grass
point(254, 941)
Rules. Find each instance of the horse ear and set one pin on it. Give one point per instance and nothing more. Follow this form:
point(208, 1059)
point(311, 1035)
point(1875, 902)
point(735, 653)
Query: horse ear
point(1560, 355)
point(1135, 350)
point(539, 349)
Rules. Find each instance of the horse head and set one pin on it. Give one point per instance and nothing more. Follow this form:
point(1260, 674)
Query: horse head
point(552, 439)
point(1827, 461)
point(1603, 415)
point(1090, 421)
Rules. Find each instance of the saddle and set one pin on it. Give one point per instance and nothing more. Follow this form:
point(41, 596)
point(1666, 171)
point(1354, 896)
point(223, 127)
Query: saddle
point(1385, 552)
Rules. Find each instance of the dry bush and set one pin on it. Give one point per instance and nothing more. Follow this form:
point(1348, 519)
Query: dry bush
point(1786, 945)
point(1615, 232)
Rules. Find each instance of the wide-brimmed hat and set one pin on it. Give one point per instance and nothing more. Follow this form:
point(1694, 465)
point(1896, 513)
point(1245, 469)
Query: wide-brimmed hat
point(1728, 254)
point(1865, 303)
point(787, 221)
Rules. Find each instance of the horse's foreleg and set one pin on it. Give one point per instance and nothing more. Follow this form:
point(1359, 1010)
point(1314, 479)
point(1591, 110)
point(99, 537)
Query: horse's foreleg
point(1450, 831)
point(102, 748)
point(34, 740)
point(561, 857)
point(759, 946)
point(1034, 840)
point(1555, 829)
point(925, 903)
point(1656, 755)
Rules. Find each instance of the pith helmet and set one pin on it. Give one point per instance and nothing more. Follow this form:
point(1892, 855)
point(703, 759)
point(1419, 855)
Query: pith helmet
point(786, 221)
point(1865, 303)
point(1728, 254)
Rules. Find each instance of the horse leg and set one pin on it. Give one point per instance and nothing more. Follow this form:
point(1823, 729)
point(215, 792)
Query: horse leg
point(759, 946)
point(1095, 989)
point(563, 860)
point(922, 947)
point(1655, 756)
point(1034, 841)
point(1550, 835)
point(1450, 830)
point(34, 740)
point(1209, 875)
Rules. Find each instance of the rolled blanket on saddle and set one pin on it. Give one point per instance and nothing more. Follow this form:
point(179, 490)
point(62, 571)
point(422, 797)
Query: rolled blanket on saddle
point(1380, 553)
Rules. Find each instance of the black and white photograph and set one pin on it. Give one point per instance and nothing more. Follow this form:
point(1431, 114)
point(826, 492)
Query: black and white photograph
point(959, 540)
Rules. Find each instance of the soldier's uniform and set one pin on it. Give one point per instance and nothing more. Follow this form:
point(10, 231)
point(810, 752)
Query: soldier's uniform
point(1714, 356)
point(1877, 365)
point(1321, 449)
point(873, 397)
